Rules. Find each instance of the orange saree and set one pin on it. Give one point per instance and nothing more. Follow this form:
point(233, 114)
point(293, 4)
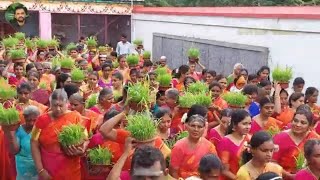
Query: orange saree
point(58, 165)
point(285, 117)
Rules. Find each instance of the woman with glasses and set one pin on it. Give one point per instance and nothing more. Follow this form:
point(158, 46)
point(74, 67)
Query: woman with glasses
point(187, 152)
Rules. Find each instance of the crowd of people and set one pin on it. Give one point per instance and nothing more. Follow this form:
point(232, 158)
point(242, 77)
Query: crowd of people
point(274, 135)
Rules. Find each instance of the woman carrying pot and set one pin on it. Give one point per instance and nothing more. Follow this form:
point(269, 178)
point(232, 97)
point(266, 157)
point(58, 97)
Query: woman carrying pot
point(105, 101)
point(20, 145)
point(50, 161)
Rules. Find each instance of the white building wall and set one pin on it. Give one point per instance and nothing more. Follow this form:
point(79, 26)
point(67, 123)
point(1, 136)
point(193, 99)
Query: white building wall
point(293, 42)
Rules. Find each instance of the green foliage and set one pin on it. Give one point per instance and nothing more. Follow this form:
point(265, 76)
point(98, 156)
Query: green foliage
point(133, 60)
point(77, 75)
point(91, 42)
point(53, 43)
point(70, 47)
point(235, 99)
point(29, 43)
point(161, 71)
point(203, 99)
point(187, 100)
point(100, 156)
point(10, 42)
point(115, 64)
point(300, 161)
point(73, 134)
point(91, 101)
point(141, 126)
point(193, 53)
point(282, 74)
point(146, 55)
point(6, 91)
point(42, 44)
point(20, 35)
point(138, 42)
point(273, 130)
point(171, 142)
point(67, 63)
point(8, 116)
point(139, 93)
point(198, 87)
point(102, 49)
point(164, 80)
point(17, 54)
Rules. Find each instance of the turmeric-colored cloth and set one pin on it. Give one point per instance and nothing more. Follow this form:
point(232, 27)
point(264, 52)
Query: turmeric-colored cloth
point(289, 150)
point(272, 123)
point(46, 131)
point(244, 171)
point(186, 160)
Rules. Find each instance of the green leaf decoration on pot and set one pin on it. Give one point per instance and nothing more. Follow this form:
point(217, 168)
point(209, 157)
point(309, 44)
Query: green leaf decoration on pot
point(91, 42)
point(9, 116)
point(235, 99)
point(139, 93)
point(100, 156)
point(20, 35)
point(282, 74)
point(164, 80)
point(66, 63)
point(77, 75)
point(6, 90)
point(70, 47)
point(29, 43)
point(91, 101)
point(73, 134)
point(42, 44)
point(10, 42)
point(161, 71)
point(9, 14)
point(141, 126)
point(198, 87)
point(300, 161)
point(53, 43)
point(15, 54)
point(187, 100)
point(203, 99)
point(193, 53)
point(133, 60)
point(138, 42)
point(146, 55)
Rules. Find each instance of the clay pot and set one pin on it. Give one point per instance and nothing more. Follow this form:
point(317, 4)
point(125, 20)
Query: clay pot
point(91, 47)
point(145, 142)
point(19, 60)
point(234, 107)
point(42, 49)
point(164, 88)
point(11, 127)
point(65, 70)
point(183, 109)
point(193, 60)
point(136, 106)
point(98, 170)
point(284, 85)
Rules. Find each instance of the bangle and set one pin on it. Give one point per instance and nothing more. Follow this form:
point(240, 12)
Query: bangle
point(39, 172)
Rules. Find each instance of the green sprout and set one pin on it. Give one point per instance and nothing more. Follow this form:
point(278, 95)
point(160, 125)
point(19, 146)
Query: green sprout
point(187, 100)
point(282, 74)
point(9, 116)
point(77, 75)
point(171, 142)
point(17, 54)
point(66, 63)
point(73, 134)
point(141, 126)
point(20, 35)
point(235, 99)
point(193, 53)
point(6, 91)
point(161, 71)
point(71, 47)
point(115, 64)
point(198, 87)
point(146, 55)
point(139, 93)
point(91, 101)
point(300, 161)
point(133, 60)
point(273, 130)
point(43, 85)
point(91, 42)
point(203, 99)
point(164, 80)
point(53, 43)
point(10, 42)
point(100, 156)
point(29, 43)
point(42, 44)
point(138, 42)
point(103, 49)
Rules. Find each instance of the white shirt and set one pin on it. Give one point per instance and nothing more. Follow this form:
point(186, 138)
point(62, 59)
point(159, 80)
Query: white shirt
point(123, 48)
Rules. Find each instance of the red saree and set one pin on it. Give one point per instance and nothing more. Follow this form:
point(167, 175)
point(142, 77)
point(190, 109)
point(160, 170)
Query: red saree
point(288, 150)
point(58, 165)
point(7, 168)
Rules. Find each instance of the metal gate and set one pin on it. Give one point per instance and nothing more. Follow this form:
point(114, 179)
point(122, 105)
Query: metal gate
point(215, 55)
